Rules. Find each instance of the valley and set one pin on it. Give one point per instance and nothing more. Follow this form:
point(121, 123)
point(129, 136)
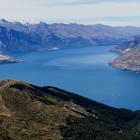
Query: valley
point(102, 102)
point(69, 70)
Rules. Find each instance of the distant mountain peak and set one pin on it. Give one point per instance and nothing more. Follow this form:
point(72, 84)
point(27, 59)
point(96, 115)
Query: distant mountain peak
point(3, 21)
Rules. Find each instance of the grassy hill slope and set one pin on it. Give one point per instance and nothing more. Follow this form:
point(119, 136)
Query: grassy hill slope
point(29, 112)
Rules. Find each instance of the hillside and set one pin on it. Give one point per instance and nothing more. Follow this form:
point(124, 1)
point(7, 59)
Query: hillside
point(16, 36)
point(29, 112)
point(126, 46)
point(130, 55)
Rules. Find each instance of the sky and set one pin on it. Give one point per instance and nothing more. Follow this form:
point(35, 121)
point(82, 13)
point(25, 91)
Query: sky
point(110, 12)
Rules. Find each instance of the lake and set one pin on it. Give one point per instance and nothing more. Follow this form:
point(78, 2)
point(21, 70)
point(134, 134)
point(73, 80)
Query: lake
point(84, 71)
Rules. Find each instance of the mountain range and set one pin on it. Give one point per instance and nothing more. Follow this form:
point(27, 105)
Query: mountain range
point(20, 37)
point(29, 112)
point(16, 36)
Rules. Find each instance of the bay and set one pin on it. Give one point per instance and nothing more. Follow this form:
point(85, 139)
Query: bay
point(84, 71)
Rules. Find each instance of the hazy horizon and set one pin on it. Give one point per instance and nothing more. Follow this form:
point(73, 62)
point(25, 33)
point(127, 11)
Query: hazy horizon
point(88, 12)
point(65, 23)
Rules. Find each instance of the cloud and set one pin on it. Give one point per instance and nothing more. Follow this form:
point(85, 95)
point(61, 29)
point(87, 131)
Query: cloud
point(97, 10)
point(79, 2)
point(113, 12)
point(113, 21)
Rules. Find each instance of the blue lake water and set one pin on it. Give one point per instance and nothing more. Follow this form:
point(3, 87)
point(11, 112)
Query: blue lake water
point(84, 71)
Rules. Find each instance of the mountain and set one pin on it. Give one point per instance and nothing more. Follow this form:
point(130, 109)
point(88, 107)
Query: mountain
point(16, 36)
point(130, 55)
point(29, 112)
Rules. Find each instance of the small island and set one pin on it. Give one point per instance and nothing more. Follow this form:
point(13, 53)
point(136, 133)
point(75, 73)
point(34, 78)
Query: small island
point(5, 59)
